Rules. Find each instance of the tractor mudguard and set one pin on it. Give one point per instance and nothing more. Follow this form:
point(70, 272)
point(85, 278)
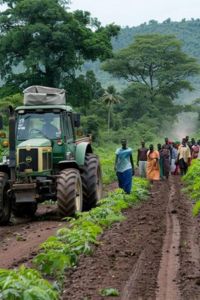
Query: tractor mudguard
point(66, 164)
point(81, 150)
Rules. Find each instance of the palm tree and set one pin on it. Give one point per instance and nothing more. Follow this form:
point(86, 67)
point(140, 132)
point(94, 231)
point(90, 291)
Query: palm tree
point(110, 97)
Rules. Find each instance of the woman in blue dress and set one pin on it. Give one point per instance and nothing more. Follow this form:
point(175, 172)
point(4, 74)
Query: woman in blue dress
point(124, 166)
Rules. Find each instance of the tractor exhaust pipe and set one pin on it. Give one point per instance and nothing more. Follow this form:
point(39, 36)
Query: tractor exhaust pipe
point(12, 146)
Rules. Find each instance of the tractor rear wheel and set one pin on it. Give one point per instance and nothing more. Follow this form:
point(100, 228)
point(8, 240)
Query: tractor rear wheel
point(24, 209)
point(5, 200)
point(92, 181)
point(69, 192)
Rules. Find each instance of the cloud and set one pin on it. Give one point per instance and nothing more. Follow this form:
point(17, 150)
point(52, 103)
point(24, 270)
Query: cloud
point(135, 12)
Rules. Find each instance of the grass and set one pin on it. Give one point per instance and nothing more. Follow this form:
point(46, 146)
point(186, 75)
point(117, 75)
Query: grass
point(193, 185)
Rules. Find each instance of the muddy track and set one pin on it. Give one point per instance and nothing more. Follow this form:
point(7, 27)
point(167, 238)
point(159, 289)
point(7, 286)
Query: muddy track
point(154, 254)
point(169, 264)
point(20, 240)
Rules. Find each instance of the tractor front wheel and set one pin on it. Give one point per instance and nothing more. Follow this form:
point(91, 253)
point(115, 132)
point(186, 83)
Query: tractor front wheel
point(69, 192)
point(5, 200)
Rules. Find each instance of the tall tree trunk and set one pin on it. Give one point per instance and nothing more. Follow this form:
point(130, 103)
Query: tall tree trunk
point(50, 78)
point(109, 117)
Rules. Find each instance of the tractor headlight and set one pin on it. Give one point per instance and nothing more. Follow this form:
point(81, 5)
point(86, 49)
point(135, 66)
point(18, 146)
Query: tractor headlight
point(5, 144)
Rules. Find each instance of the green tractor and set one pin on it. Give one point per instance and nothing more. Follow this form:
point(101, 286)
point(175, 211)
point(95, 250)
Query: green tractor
point(45, 159)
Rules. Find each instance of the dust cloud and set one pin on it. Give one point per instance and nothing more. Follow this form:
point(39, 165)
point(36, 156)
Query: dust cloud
point(186, 124)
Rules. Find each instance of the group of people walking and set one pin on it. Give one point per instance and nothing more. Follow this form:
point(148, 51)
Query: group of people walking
point(169, 158)
point(155, 164)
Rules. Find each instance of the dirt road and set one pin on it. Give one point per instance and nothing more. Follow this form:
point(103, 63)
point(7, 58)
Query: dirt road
point(19, 241)
point(154, 254)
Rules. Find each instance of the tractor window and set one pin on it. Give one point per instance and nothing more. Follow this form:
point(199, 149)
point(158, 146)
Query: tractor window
point(69, 127)
point(38, 125)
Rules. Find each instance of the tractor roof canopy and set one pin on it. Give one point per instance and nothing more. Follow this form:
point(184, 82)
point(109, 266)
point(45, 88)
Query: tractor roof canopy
point(43, 108)
point(42, 95)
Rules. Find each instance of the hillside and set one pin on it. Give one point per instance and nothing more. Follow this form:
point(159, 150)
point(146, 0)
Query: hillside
point(186, 31)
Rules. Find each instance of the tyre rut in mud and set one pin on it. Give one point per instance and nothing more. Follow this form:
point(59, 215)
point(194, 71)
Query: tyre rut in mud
point(130, 254)
point(69, 192)
point(92, 181)
point(5, 201)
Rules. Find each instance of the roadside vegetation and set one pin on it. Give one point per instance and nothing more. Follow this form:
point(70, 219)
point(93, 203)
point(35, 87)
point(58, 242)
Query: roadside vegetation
point(193, 185)
point(25, 284)
point(107, 158)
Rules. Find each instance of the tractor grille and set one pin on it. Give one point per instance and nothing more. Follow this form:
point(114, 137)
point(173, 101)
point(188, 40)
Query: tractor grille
point(28, 159)
point(46, 159)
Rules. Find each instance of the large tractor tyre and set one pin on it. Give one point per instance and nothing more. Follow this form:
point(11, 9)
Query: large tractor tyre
point(5, 200)
point(24, 209)
point(92, 181)
point(69, 192)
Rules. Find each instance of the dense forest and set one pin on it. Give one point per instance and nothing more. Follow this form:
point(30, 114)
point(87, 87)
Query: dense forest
point(186, 31)
point(119, 94)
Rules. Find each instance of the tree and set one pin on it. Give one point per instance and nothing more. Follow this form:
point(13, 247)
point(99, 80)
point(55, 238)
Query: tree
point(110, 97)
point(137, 103)
point(13, 100)
point(90, 126)
point(83, 89)
point(157, 62)
point(43, 43)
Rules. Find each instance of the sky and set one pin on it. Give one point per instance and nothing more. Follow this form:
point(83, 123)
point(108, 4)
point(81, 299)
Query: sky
point(135, 12)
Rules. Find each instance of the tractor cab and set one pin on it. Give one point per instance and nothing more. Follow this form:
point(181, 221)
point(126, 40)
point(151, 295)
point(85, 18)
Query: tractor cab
point(48, 131)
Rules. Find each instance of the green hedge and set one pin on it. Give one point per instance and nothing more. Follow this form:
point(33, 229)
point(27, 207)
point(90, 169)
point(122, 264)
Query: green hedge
point(192, 180)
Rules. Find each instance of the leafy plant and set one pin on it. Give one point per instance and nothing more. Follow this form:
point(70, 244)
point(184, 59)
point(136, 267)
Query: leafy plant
point(25, 284)
point(196, 208)
point(193, 184)
point(109, 292)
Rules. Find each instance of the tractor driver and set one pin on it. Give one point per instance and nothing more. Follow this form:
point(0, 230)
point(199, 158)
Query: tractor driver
point(50, 130)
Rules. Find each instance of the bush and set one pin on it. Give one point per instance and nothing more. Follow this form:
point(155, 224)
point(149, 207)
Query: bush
point(193, 184)
point(24, 284)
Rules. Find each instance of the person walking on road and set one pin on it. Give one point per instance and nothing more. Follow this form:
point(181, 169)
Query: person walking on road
point(161, 161)
point(142, 159)
point(124, 166)
point(153, 170)
point(184, 157)
point(174, 159)
point(195, 150)
point(166, 160)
